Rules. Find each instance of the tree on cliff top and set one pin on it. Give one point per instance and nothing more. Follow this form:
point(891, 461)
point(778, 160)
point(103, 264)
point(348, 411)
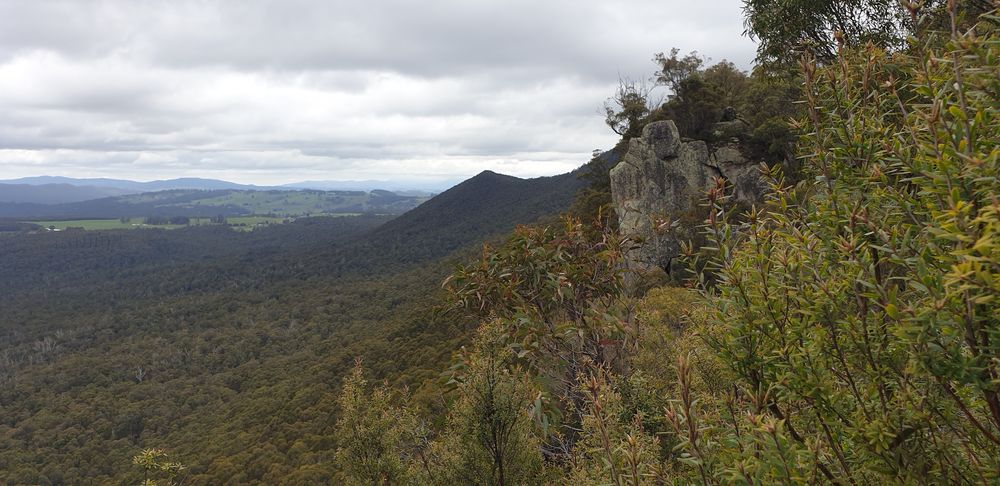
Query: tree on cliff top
point(631, 103)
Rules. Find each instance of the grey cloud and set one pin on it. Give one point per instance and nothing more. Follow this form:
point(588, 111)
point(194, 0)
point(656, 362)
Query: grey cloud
point(334, 87)
point(432, 37)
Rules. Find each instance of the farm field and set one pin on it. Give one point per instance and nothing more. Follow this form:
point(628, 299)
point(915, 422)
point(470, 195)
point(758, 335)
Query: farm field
point(285, 203)
point(210, 203)
point(288, 202)
point(95, 224)
point(241, 223)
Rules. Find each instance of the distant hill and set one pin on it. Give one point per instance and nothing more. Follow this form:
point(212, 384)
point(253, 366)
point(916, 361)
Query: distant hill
point(134, 186)
point(369, 185)
point(55, 193)
point(487, 204)
point(484, 207)
point(225, 202)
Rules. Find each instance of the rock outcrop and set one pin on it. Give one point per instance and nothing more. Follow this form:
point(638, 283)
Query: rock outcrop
point(661, 181)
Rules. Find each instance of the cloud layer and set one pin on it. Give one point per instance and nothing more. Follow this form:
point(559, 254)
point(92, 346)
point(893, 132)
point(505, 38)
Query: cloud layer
point(276, 91)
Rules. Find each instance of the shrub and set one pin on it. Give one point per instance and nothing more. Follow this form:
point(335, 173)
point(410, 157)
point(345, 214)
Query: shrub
point(858, 312)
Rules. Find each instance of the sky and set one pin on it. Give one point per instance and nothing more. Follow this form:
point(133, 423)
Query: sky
point(277, 91)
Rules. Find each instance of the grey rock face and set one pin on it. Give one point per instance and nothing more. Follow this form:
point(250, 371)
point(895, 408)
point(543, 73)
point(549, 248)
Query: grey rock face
point(662, 179)
point(729, 129)
point(744, 175)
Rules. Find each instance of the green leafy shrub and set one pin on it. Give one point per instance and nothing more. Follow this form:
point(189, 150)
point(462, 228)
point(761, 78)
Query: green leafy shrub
point(155, 464)
point(375, 435)
point(490, 438)
point(858, 313)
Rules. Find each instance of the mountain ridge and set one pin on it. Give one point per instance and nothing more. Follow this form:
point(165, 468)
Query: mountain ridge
point(56, 193)
point(483, 207)
point(137, 186)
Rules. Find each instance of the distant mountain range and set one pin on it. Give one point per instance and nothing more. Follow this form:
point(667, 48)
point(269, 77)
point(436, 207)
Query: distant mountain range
point(399, 187)
point(134, 186)
point(59, 190)
point(488, 204)
point(56, 193)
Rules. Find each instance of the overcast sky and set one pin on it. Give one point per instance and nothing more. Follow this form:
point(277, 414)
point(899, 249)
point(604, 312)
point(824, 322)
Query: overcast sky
point(278, 91)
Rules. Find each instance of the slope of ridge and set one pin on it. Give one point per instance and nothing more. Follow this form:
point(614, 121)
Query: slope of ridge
point(483, 207)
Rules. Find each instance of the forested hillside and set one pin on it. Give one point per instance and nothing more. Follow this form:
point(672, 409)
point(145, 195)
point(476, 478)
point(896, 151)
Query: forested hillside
point(484, 207)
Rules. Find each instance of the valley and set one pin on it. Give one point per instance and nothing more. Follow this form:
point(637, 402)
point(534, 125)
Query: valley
point(213, 330)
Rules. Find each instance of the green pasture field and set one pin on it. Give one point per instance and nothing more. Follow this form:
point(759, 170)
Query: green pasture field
point(242, 223)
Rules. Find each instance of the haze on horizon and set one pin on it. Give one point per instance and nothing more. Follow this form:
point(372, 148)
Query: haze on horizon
point(271, 92)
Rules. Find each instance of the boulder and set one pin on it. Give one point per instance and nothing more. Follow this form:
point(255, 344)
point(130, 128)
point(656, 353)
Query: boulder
point(659, 184)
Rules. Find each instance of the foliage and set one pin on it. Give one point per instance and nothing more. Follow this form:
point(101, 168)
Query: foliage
point(785, 30)
point(620, 435)
point(858, 313)
point(372, 433)
point(490, 436)
point(625, 110)
point(763, 101)
point(552, 287)
point(674, 70)
point(154, 463)
point(559, 295)
point(614, 448)
point(696, 106)
point(728, 81)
